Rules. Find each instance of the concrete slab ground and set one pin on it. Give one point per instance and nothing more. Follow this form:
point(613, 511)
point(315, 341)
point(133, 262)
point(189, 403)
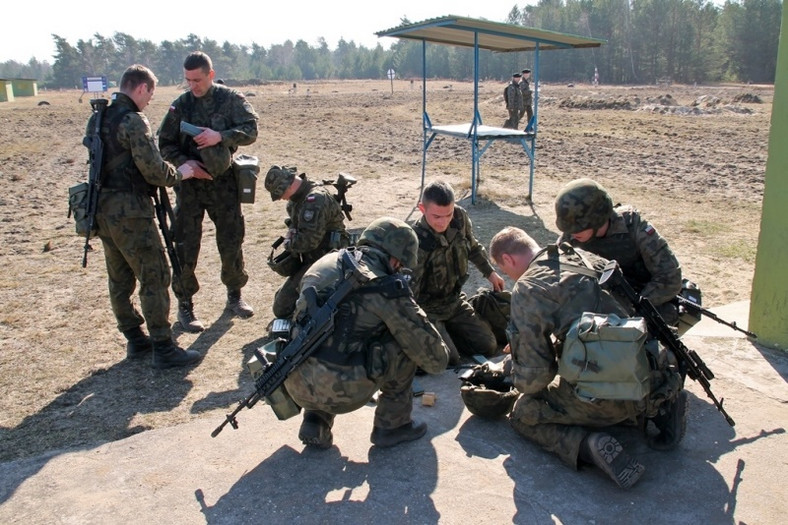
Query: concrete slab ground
point(466, 470)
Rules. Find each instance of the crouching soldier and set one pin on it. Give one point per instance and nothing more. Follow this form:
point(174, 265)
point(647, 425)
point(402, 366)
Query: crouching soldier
point(380, 337)
point(315, 225)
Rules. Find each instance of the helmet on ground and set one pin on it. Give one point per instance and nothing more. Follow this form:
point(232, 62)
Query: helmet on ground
point(393, 236)
point(488, 402)
point(278, 179)
point(581, 205)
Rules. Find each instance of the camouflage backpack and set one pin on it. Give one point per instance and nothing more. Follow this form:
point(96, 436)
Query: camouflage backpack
point(494, 308)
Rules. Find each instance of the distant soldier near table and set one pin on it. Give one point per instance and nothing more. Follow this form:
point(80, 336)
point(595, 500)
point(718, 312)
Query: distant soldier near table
point(513, 98)
point(525, 88)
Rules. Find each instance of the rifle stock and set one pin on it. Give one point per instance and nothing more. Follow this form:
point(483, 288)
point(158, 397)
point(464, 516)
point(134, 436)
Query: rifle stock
point(318, 326)
point(96, 160)
point(690, 363)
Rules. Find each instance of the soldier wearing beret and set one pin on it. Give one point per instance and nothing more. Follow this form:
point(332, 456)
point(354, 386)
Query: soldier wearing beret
point(315, 225)
point(525, 88)
point(228, 121)
point(513, 98)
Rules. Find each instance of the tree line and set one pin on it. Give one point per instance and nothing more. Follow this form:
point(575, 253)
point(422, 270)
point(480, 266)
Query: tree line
point(647, 41)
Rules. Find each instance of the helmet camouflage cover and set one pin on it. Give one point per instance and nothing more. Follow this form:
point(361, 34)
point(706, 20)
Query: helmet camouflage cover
point(278, 179)
point(487, 402)
point(581, 205)
point(393, 236)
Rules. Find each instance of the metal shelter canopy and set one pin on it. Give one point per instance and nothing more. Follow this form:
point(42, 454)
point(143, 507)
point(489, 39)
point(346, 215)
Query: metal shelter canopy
point(493, 36)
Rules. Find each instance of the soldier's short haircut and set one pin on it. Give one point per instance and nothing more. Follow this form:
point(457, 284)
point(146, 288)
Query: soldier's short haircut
point(510, 241)
point(198, 60)
point(136, 75)
point(438, 192)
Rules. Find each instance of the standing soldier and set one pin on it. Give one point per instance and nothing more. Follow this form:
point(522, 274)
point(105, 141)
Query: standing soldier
point(513, 98)
point(586, 216)
point(446, 245)
point(380, 337)
point(132, 169)
point(525, 87)
point(227, 121)
point(315, 225)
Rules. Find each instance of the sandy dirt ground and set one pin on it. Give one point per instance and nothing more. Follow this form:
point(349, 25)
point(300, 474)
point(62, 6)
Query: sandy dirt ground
point(692, 159)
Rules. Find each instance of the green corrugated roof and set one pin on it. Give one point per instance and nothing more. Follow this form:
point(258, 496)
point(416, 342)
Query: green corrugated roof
point(495, 36)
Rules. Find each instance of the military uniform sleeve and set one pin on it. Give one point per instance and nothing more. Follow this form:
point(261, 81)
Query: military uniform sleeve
point(244, 123)
point(476, 252)
point(660, 262)
point(532, 321)
point(312, 222)
point(170, 136)
point(135, 131)
point(417, 337)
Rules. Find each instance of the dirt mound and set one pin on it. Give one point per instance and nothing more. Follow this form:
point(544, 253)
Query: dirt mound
point(748, 98)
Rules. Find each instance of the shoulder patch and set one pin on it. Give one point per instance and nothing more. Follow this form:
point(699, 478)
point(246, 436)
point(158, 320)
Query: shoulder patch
point(649, 229)
point(311, 198)
point(172, 108)
point(308, 215)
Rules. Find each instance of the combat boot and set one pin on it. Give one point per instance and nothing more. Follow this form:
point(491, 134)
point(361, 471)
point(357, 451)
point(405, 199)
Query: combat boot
point(188, 320)
point(139, 345)
point(671, 423)
point(384, 438)
point(237, 305)
point(315, 429)
point(605, 451)
point(167, 354)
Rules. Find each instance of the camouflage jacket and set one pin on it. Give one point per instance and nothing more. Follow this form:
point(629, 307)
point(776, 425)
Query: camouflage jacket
point(221, 109)
point(545, 302)
point(513, 97)
point(443, 262)
point(645, 258)
point(314, 213)
point(132, 161)
point(346, 369)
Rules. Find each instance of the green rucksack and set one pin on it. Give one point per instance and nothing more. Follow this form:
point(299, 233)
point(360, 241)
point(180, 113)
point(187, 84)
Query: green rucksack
point(493, 307)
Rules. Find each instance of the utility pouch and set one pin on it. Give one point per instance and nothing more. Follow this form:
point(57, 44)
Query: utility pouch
point(688, 317)
point(246, 169)
point(78, 207)
point(603, 357)
point(280, 401)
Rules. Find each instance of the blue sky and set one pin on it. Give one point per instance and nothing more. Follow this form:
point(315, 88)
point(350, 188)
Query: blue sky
point(27, 31)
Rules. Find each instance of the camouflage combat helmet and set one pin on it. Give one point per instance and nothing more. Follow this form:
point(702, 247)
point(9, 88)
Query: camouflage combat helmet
point(278, 179)
point(581, 205)
point(488, 402)
point(216, 159)
point(394, 237)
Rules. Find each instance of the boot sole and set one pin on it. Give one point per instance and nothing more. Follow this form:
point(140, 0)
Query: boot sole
point(608, 454)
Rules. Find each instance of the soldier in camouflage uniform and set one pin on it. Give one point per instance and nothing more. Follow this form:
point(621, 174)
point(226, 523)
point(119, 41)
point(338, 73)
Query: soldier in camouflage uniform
point(229, 121)
point(547, 298)
point(315, 224)
point(586, 216)
point(446, 244)
point(513, 98)
point(133, 251)
point(380, 337)
point(525, 88)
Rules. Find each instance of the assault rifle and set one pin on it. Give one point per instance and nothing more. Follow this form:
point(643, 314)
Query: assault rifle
point(342, 184)
point(317, 325)
point(690, 362)
point(161, 204)
point(96, 160)
point(697, 310)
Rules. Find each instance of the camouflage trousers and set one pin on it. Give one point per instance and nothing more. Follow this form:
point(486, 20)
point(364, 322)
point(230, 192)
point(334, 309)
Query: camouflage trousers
point(220, 199)
point(556, 419)
point(464, 331)
point(339, 389)
point(513, 122)
point(133, 252)
point(286, 296)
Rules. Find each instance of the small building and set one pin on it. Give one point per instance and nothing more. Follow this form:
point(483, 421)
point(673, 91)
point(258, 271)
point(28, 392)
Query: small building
point(25, 87)
point(6, 90)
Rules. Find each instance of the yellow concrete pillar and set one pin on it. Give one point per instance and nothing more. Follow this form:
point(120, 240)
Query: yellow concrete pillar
point(769, 301)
